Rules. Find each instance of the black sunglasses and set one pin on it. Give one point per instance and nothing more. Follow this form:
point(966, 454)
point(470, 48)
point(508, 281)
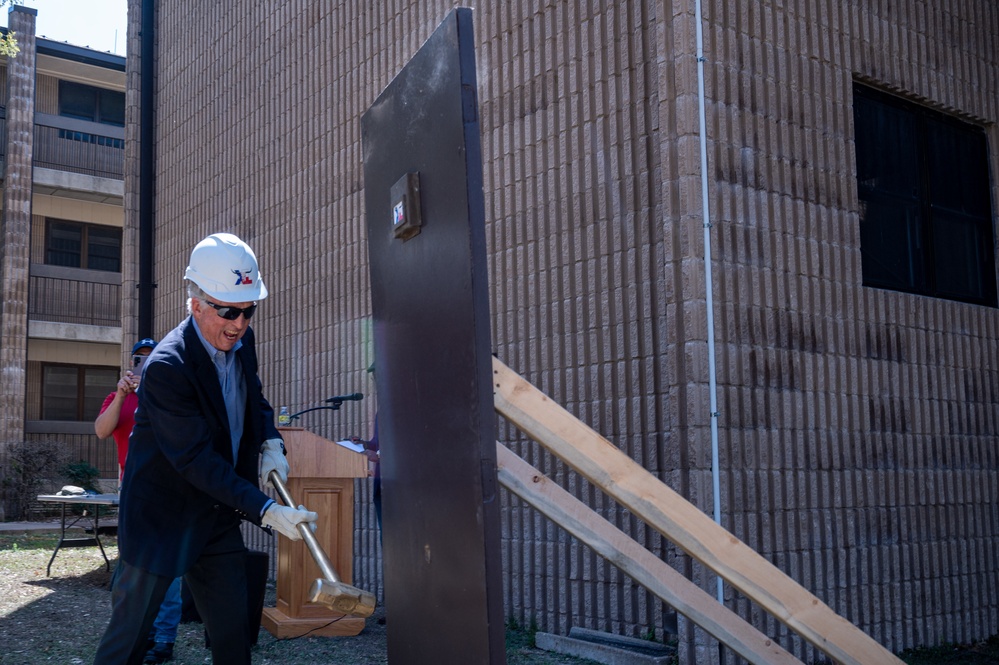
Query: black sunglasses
point(230, 313)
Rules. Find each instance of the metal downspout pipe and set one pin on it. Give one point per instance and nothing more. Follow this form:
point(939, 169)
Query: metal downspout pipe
point(708, 282)
point(145, 283)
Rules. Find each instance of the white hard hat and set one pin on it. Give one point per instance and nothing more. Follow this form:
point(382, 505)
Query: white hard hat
point(226, 269)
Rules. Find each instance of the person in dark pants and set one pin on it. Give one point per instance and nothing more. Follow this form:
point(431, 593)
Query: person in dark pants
point(116, 418)
point(203, 432)
point(373, 452)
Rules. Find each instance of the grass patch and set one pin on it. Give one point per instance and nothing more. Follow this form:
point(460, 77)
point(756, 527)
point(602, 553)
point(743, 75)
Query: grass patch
point(979, 653)
point(43, 540)
point(518, 637)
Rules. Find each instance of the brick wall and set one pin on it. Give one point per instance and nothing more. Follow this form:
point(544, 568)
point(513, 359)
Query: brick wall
point(857, 427)
point(16, 227)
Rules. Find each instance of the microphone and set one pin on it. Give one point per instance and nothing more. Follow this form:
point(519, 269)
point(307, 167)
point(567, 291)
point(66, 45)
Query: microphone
point(353, 397)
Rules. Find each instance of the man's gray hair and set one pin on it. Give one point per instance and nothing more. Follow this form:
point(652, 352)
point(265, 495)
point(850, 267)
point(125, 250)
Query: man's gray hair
point(194, 291)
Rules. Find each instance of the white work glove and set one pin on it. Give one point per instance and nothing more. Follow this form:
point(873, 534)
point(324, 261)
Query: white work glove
point(272, 459)
point(286, 519)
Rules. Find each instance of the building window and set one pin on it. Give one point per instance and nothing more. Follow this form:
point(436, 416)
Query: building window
point(78, 245)
point(75, 392)
point(85, 102)
point(926, 212)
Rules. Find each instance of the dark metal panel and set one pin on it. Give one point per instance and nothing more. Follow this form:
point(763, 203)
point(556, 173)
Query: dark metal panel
point(432, 353)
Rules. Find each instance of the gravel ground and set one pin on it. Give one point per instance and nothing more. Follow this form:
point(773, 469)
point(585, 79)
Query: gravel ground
point(60, 619)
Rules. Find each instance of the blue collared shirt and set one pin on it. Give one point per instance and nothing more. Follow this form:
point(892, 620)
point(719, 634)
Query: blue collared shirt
point(233, 386)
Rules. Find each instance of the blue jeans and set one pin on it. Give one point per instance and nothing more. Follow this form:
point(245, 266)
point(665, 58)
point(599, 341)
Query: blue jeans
point(165, 626)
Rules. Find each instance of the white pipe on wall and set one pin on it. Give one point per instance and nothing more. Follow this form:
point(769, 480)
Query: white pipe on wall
point(708, 285)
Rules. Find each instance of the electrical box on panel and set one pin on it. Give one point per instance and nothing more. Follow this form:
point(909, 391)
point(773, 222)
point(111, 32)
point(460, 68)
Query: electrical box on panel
point(406, 215)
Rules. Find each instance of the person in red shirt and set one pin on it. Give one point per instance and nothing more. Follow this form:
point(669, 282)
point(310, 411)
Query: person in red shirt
point(118, 411)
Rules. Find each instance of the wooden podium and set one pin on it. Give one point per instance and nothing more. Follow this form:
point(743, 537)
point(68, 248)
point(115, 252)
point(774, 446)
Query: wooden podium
point(321, 477)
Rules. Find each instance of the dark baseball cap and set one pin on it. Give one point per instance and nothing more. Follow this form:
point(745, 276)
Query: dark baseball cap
point(143, 343)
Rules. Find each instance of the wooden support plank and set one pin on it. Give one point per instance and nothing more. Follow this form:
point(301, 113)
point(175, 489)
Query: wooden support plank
point(600, 462)
point(634, 560)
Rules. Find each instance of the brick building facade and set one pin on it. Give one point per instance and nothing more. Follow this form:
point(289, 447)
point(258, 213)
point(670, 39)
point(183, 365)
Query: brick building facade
point(855, 318)
point(62, 146)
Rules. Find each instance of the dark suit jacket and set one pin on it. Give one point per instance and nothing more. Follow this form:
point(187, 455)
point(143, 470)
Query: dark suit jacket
point(179, 476)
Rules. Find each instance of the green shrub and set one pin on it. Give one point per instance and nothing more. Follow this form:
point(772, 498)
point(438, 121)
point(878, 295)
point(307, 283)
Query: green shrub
point(82, 475)
point(30, 465)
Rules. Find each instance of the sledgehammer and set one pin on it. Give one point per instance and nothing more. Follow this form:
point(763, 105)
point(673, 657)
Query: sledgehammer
point(330, 592)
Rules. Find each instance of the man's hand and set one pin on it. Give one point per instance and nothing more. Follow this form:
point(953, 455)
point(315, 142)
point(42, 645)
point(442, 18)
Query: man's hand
point(272, 459)
point(286, 520)
point(128, 383)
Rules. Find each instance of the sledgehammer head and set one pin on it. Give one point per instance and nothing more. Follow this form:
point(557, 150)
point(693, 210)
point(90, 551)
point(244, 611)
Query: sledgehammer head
point(342, 598)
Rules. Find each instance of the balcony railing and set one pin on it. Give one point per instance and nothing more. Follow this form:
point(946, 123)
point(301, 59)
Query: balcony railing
point(68, 144)
point(78, 146)
point(72, 295)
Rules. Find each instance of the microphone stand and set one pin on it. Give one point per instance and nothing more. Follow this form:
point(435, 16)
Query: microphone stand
point(334, 407)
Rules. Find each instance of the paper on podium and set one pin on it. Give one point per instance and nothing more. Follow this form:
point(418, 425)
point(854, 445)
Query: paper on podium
point(350, 445)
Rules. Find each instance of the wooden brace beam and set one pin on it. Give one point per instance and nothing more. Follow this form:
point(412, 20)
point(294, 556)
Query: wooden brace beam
point(637, 562)
point(600, 462)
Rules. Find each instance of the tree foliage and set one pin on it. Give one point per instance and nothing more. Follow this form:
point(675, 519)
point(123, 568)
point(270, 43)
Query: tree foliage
point(8, 42)
point(8, 45)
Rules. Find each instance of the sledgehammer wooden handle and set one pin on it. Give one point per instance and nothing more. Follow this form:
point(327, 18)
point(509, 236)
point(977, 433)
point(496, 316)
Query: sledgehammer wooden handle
point(318, 553)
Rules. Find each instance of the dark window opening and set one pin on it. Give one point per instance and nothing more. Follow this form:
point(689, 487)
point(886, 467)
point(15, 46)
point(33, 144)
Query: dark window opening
point(926, 224)
point(78, 245)
point(75, 392)
point(85, 102)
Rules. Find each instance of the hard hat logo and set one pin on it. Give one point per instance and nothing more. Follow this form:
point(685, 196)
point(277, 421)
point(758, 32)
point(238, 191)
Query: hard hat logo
point(241, 278)
point(214, 262)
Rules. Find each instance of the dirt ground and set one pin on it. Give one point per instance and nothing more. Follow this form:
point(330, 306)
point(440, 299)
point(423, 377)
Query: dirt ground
point(60, 619)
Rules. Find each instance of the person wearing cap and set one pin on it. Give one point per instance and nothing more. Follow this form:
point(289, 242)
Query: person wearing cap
point(116, 418)
point(204, 441)
point(117, 412)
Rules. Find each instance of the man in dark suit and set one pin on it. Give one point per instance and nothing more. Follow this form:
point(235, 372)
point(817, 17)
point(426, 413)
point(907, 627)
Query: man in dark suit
point(202, 428)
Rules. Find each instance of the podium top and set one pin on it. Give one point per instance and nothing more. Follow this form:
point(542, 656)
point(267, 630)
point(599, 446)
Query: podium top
point(312, 456)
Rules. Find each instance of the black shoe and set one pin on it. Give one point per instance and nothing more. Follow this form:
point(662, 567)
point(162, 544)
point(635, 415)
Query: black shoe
point(160, 653)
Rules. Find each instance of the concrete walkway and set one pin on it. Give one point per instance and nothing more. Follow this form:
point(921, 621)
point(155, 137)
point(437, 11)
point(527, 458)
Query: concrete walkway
point(21, 527)
point(53, 525)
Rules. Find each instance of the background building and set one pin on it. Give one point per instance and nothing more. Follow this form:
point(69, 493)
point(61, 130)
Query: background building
point(62, 135)
point(850, 190)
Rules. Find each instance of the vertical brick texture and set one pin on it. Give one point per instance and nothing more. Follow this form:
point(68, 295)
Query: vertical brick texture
point(858, 426)
point(16, 232)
